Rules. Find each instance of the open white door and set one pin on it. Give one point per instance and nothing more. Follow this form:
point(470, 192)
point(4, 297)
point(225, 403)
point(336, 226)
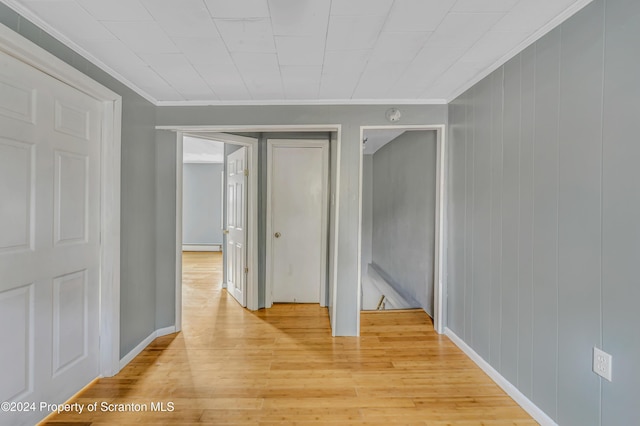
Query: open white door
point(237, 225)
point(50, 144)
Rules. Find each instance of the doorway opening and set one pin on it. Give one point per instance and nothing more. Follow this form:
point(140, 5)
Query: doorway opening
point(254, 140)
point(402, 219)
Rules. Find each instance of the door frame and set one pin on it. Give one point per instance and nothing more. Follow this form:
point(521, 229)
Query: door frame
point(252, 213)
point(33, 55)
point(201, 130)
point(439, 267)
point(298, 143)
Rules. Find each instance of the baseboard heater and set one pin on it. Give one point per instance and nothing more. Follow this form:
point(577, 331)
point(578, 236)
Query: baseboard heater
point(393, 299)
point(202, 247)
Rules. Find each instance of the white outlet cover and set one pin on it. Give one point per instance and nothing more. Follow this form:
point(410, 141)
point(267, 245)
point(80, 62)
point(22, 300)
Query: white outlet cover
point(602, 363)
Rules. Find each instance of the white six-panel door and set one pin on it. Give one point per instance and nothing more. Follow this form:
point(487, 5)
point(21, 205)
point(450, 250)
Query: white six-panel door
point(50, 137)
point(237, 225)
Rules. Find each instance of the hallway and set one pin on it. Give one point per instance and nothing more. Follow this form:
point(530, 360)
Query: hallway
point(281, 366)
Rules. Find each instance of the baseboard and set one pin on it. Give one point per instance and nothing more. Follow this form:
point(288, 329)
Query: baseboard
point(202, 247)
point(142, 345)
point(533, 410)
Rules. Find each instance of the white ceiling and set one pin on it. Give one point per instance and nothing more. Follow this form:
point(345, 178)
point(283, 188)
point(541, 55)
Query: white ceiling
point(195, 150)
point(176, 52)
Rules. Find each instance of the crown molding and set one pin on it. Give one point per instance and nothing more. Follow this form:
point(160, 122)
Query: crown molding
point(305, 102)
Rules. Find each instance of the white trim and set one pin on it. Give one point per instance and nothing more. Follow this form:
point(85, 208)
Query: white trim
point(298, 143)
point(333, 281)
point(213, 132)
point(143, 345)
point(178, 248)
point(24, 50)
point(533, 410)
point(541, 32)
point(306, 102)
point(202, 247)
point(439, 270)
point(213, 129)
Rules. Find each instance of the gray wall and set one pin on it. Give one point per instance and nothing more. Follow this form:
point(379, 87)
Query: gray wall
point(350, 118)
point(138, 197)
point(544, 239)
point(202, 203)
point(404, 200)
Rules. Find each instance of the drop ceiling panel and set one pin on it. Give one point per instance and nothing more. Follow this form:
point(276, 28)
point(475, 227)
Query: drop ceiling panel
point(224, 80)
point(361, 7)
point(353, 32)
point(299, 18)
point(224, 51)
point(184, 18)
point(203, 50)
point(142, 37)
point(301, 82)
point(301, 51)
point(417, 15)
point(60, 14)
point(247, 35)
point(238, 9)
point(116, 10)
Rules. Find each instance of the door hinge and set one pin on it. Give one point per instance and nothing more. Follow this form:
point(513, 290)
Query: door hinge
point(246, 270)
point(246, 172)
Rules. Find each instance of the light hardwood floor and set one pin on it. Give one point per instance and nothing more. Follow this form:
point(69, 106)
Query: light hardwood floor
point(279, 366)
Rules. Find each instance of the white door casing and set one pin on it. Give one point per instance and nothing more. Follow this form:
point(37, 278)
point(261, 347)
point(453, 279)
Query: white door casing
point(237, 224)
point(50, 187)
point(297, 221)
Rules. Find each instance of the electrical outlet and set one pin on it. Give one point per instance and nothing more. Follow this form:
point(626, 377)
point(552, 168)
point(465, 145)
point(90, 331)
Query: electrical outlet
point(602, 363)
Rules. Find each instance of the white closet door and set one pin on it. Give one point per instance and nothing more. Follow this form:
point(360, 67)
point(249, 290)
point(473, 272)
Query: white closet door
point(50, 136)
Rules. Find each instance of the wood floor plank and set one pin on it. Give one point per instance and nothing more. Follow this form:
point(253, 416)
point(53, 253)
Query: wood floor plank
point(230, 366)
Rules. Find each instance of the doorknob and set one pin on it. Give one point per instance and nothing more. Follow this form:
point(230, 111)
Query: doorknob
point(277, 235)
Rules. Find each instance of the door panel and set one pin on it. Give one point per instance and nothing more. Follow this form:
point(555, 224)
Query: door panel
point(297, 215)
point(50, 144)
point(236, 220)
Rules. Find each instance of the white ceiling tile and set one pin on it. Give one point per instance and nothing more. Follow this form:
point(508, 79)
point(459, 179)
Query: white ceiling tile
point(464, 29)
point(180, 74)
point(184, 18)
point(455, 78)
point(529, 15)
point(417, 15)
point(113, 52)
point(483, 5)
point(261, 74)
point(398, 46)
point(300, 17)
point(224, 79)
point(60, 14)
point(238, 8)
point(344, 62)
point(493, 45)
point(431, 62)
point(300, 51)
point(353, 32)
point(361, 7)
point(377, 79)
point(247, 35)
point(142, 37)
point(203, 50)
point(301, 82)
point(116, 10)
